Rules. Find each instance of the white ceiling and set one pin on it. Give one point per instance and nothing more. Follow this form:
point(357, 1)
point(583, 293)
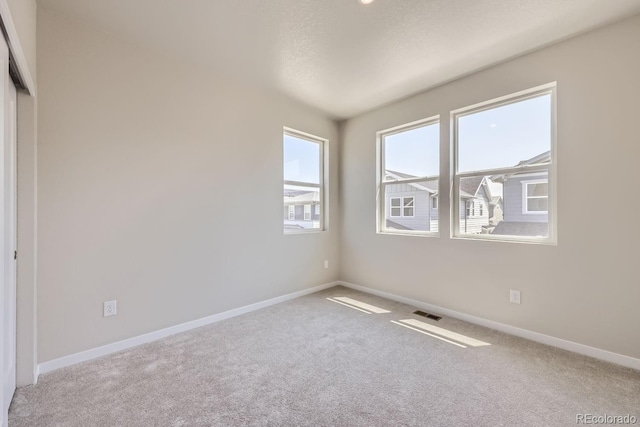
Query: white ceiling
point(338, 55)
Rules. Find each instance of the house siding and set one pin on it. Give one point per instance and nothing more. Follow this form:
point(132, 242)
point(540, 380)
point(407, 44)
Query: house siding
point(422, 207)
point(473, 224)
point(299, 220)
point(433, 222)
point(513, 203)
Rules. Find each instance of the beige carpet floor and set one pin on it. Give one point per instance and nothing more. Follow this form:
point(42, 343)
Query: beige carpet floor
point(314, 362)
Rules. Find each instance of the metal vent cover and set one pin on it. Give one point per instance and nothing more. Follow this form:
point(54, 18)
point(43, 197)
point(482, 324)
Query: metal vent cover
point(427, 315)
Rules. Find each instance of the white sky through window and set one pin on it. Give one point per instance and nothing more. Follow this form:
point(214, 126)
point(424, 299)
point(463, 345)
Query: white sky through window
point(301, 160)
point(414, 152)
point(504, 136)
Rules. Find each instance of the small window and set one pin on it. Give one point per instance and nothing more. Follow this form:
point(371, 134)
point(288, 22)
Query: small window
point(408, 206)
point(396, 209)
point(536, 195)
point(303, 180)
point(408, 169)
point(503, 154)
point(434, 203)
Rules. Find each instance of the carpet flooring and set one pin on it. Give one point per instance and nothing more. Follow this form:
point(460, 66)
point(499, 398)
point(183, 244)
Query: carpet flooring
point(315, 362)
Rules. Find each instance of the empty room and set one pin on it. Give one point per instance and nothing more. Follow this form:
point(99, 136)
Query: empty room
point(320, 213)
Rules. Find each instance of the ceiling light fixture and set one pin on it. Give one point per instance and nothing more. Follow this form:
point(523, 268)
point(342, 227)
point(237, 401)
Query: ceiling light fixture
point(365, 1)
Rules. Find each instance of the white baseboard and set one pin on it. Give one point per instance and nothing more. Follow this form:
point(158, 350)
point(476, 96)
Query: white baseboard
point(52, 365)
point(597, 353)
point(83, 356)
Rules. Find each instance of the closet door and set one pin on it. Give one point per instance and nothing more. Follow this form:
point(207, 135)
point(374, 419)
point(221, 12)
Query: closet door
point(8, 218)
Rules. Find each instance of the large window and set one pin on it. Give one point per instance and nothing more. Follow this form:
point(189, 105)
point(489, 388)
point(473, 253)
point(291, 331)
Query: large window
point(408, 168)
point(303, 182)
point(504, 161)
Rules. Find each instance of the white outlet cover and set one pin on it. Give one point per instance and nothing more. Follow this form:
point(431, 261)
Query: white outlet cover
point(110, 308)
point(514, 296)
point(326, 263)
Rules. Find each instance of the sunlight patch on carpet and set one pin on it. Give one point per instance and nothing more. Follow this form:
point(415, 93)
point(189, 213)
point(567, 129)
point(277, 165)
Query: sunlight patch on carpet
point(427, 333)
point(472, 342)
point(350, 306)
point(362, 305)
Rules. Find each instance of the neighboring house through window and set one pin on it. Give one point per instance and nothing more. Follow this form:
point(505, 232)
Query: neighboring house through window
point(402, 207)
point(508, 146)
point(303, 181)
point(408, 169)
point(535, 197)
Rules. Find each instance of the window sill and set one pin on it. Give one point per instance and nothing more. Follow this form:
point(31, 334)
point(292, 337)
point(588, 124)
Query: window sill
point(410, 234)
point(288, 232)
point(546, 241)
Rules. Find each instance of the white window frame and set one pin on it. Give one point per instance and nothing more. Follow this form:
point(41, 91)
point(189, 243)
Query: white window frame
point(323, 159)
point(526, 197)
point(292, 212)
point(550, 167)
point(381, 184)
point(307, 212)
point(434, 203)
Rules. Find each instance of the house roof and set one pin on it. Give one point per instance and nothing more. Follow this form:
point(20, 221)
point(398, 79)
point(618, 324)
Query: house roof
point(534, 229)
point(539, 159)
point(309, 197)
point(399, 174)
point(430, 186)
point(469, 186)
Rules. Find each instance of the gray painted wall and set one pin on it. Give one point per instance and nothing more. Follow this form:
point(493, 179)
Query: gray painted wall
point(597, 107)
point(149, 171)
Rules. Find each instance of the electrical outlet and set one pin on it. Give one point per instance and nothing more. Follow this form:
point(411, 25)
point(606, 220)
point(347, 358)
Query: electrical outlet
point(326, 263)
point(514, 296)
point(110, 308)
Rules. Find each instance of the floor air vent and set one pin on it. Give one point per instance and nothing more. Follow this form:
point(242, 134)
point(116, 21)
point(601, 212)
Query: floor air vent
point(430, 316)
